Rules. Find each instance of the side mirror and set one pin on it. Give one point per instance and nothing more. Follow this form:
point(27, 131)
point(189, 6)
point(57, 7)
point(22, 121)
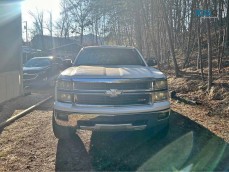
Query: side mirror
point(67, 63)
point(151, 62)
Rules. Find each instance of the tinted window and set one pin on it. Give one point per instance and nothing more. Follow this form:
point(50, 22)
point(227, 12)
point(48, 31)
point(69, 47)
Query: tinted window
point(38, 62)
point(108, 56)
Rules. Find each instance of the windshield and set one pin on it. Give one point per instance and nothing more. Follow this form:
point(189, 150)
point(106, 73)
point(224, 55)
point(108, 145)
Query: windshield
point(38, 62)
point(108, 56)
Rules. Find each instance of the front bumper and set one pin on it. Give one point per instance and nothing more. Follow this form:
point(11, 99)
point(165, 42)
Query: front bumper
point(112, 118)
point(37, 80)
point(111, 110)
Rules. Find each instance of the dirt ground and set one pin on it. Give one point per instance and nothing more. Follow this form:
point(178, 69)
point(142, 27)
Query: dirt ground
point(29, 145)
point(212, 107)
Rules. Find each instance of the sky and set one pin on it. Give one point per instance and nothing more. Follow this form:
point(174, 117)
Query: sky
point(33, 5)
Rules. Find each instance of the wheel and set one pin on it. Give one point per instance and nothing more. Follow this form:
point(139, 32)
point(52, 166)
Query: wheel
point(61, 132)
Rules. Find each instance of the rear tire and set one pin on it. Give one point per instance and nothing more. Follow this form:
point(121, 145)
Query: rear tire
point(61, 132)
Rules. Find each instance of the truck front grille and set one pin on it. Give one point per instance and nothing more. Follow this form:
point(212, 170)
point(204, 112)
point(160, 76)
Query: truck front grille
point(102, 99)
point(108, 86)
point(120, 100)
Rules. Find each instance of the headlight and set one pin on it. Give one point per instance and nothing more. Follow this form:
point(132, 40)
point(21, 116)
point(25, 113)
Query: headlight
point(160, 85)
point(64, 85)
point(64, 97)
point(159, 96)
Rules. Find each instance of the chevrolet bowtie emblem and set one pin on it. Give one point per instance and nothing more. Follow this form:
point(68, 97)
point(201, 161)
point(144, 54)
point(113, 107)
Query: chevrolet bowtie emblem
point(113, 92)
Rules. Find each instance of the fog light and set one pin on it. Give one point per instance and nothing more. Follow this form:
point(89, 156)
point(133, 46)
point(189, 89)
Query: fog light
point(62, 117)
point(159, 96)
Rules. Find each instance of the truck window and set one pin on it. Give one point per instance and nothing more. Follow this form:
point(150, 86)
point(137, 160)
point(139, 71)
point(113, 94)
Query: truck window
point(108, 56)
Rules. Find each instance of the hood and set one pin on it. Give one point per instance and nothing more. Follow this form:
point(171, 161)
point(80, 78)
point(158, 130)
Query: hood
point(34, 69)
point(112, 72)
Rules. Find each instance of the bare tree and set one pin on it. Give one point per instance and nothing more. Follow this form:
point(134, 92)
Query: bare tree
point(38, 25)
point(158, 28)
point(49, 23)
point(209, 49)
point(227, 39)
point(199, 58)
point(187, 56)
point(38, 21)
point(80, 12)
point(168, 28)
point(63, 25)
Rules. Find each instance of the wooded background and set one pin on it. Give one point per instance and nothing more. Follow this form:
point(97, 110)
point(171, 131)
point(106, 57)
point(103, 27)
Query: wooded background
point(168, 30)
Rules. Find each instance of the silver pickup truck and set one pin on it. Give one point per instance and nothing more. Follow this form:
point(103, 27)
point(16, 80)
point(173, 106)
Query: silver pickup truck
point(110, 88)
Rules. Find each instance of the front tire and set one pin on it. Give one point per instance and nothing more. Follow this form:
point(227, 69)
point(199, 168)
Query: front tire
point(61, 132)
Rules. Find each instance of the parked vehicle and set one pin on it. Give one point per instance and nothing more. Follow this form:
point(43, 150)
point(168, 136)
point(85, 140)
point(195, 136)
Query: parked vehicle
point(110, 88)
point(40, 71)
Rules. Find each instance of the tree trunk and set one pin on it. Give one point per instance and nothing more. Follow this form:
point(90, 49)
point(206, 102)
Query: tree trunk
point(184, 30)
point(227, 40)
point(199, 59)
point(138, 29)
point(209, 51)
point(81, 35)
point(189, 39)
point(96, 30)
point(170, 38)
point(221, 39)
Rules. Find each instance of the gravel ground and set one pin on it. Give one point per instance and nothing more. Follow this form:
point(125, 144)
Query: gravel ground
point(14, 106)
point(29, 145)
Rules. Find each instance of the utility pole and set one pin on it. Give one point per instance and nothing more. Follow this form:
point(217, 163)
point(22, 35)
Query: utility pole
point(26, 43)
point(26, 30)
point(50, 23)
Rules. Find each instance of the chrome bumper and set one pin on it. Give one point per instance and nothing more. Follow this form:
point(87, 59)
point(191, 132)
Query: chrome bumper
point(111, 110)
point(72, 120)
point(116, 127)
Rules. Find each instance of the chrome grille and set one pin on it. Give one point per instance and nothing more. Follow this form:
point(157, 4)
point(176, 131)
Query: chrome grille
point(120, 100)
point(108, 86)
point(85, 93)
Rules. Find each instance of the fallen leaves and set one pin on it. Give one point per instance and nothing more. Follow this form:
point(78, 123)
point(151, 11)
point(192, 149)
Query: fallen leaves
point(216, 124)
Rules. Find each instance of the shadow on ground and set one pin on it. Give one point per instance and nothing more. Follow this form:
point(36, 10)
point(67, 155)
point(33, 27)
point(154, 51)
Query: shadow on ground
point(72, 156)
point(129, 151)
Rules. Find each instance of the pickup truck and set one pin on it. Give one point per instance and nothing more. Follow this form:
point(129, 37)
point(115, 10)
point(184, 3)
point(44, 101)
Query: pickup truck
point(110, 88)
